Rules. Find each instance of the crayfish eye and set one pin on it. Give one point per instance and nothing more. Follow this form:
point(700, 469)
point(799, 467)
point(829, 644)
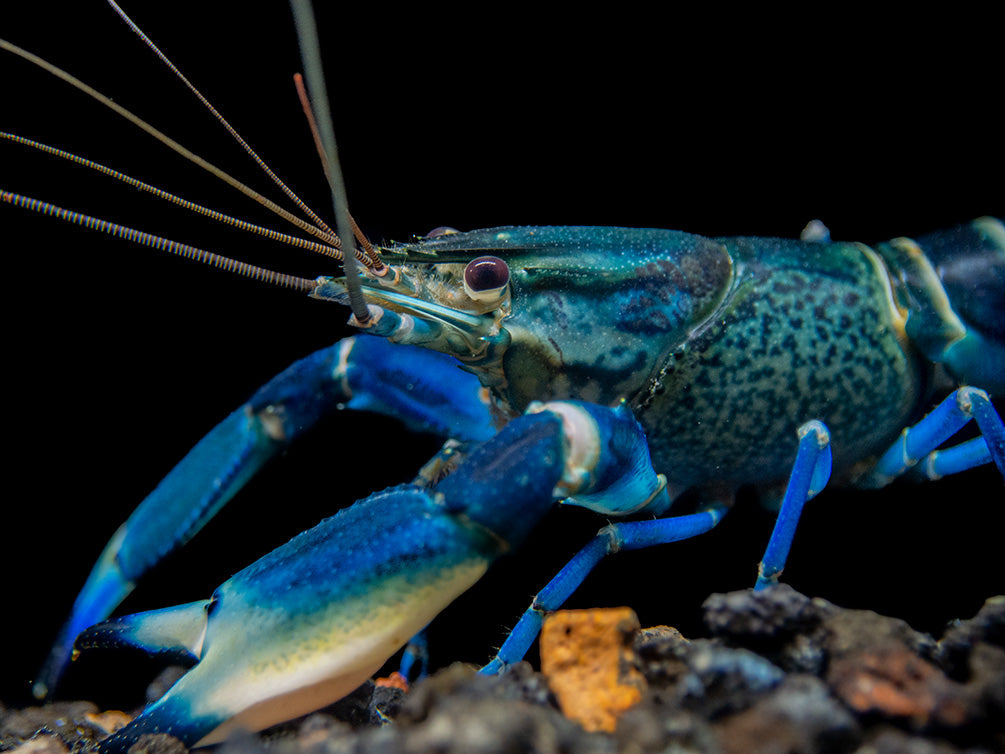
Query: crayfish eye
point(486, 278)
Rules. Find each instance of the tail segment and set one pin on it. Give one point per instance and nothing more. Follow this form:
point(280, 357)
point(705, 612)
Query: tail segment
point(954, 289)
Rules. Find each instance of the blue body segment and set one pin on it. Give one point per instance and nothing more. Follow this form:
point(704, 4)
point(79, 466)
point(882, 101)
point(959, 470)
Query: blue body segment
point(969, 263)
point(724, 347)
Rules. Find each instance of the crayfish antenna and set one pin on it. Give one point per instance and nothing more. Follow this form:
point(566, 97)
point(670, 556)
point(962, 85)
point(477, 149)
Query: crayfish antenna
point(310, 52)
point(321, 229)
point(369, 250)
point(369, 256)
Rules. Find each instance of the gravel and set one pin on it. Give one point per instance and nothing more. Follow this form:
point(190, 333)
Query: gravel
point(776, 672)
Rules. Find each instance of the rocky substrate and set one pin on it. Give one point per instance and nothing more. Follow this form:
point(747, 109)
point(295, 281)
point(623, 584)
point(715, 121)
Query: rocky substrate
point(778, 672)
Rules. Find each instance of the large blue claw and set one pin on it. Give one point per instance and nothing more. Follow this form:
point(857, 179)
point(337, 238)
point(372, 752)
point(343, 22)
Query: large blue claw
point(174, 633)
point(312, 620)
point(309, 622)
point(194, 491)
point(423, 389)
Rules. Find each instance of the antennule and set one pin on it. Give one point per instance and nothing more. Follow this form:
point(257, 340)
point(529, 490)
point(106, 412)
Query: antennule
point(310, 53)
point(379, 268)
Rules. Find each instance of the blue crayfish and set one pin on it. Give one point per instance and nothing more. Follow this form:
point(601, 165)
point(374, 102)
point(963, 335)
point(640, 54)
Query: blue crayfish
point(716, 353)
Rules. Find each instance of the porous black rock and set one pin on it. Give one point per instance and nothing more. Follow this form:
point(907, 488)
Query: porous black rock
point(778, 671)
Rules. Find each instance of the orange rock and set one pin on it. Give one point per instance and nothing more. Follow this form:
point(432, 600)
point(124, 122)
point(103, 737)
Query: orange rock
point(41, 744)
point(108, 721)
point(395, 681)
point(896, 683)
point(590, 664)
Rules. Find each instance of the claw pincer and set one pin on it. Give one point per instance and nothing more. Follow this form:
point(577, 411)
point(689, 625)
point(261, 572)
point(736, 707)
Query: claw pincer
point(316, 617)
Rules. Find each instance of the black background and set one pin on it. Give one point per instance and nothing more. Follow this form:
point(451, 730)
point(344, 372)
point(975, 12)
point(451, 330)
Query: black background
point(119, 358)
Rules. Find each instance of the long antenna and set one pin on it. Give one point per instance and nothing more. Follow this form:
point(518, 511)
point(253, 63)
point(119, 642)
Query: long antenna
point(310, 54)
point(213, 214)
point(304, 285)
point(167, 141)
point(221, 120)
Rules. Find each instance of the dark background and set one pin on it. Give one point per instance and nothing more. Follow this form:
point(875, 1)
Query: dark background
point(120, 358)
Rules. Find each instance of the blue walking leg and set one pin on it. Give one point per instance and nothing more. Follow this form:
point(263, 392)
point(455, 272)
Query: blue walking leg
point(966, 455)
point(415, 660)
point(423, 388)
point(611, 539)
point(917, 445)
point(810, 473)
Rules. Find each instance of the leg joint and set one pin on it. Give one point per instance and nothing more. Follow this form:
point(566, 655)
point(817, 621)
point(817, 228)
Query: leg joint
point(612, 533)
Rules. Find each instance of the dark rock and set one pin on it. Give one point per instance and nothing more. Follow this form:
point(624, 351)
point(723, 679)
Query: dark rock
point(249, 743)
point(42, 745)
point(369, 705)
point(658, 635)
point(754, 687)
point(519, 684)
point(852, 631)
point(778, 623)
point(651, 726)
point(157, 743)
point(963, 635)
point(886, 740)
point(773, 615)
point(723, 680)
point(661, 653)
point(458, 710)
point(71, 722)
point(987, 685)
point(165, 680)
point(799, 715)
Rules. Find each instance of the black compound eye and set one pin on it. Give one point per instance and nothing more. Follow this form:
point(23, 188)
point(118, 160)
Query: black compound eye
point(486, 278)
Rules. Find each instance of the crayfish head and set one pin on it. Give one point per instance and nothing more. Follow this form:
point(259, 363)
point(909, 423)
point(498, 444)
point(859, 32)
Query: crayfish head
point(547, 313)
point(594, 311)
